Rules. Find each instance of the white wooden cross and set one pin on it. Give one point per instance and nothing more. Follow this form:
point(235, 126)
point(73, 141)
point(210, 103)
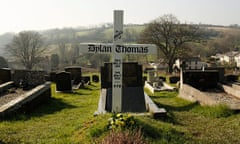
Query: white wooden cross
point(117, 49)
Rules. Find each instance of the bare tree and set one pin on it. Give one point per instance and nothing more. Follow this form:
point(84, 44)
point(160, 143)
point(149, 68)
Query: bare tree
point(27, 48)
point(169, 36)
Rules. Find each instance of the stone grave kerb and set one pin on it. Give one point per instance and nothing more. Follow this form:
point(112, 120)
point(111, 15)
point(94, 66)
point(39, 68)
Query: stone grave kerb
point(117, 49)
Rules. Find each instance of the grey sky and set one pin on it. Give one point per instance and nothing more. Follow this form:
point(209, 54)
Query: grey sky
point(18, 15)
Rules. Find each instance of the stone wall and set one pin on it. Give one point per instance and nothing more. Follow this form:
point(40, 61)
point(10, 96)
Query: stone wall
point(232, 90)
point(189, 93)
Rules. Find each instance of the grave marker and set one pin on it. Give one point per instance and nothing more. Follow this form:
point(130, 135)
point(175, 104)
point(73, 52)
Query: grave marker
point(63, 82)
point(117, 49)
point(5, 75)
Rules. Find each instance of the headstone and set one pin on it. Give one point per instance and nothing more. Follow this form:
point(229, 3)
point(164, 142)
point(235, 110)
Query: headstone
point(202, 80)
point(231, 78)
point(132, 75)
point(132, 92)
point(221, 72)
point(95, 78)
point(28, 79)
point(63, 82)
point(86, 79)
point(174, 79)
point(53, 76)
point(76, 74)
point(162, 78)
point(151, 77)
point(5, 75)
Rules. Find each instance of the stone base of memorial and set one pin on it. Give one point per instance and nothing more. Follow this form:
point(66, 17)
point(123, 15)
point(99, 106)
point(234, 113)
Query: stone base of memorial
point(26, 100)
point(133, 97)
point(210, 98)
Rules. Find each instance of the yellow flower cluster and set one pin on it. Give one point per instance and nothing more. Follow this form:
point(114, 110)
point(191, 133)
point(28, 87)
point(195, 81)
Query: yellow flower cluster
point(121, 121)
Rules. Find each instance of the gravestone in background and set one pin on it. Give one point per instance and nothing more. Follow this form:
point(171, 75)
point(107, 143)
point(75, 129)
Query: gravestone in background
point(28, 79)
point(53, 76)
point(132, 87)
point(5, 75)
point(76, 74)
point(151, 77)
point(95, 78)
point(174, 79)
point(202, 80)
point(86, 79)
point(63, 82)
point(162, 78)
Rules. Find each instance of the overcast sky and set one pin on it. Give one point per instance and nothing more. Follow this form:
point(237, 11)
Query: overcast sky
point(18, 15)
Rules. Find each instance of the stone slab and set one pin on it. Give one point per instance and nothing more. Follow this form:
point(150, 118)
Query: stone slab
point(26, 98)
point(153, 108)
point(132, 99)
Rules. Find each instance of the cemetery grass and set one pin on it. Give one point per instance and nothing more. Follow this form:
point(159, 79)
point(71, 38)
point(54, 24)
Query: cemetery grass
point(68, 118)
point(65, 118)
point(191, 123)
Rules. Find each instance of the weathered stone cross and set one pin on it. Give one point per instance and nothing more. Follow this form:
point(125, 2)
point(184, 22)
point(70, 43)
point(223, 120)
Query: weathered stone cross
point(117, 49)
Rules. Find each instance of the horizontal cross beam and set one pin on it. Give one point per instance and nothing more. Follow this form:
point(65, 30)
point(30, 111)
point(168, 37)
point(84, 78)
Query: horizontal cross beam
point(103, 48)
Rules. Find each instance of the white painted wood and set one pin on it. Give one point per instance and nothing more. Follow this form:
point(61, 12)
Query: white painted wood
point(117, 62)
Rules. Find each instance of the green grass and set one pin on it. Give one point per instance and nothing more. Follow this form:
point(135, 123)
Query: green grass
point(68, 118)
point(198, 124)
point(56, 121)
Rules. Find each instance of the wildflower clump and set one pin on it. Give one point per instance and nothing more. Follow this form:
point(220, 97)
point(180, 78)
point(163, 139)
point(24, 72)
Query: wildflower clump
point(121, 121)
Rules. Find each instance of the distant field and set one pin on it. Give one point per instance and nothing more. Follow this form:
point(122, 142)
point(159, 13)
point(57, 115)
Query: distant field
point(85, 32)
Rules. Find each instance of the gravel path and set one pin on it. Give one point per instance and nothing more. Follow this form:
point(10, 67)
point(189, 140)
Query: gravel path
point(7, 97)
point(223, 97)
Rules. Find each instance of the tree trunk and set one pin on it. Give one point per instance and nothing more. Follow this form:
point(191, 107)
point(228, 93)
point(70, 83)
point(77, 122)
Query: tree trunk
point(170, 66)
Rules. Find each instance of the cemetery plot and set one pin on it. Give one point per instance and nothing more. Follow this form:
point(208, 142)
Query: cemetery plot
point(133, 97)
point(205, 87)
point(154, 83)
point(26, 91)
point(122, 90)
point(71, 79)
